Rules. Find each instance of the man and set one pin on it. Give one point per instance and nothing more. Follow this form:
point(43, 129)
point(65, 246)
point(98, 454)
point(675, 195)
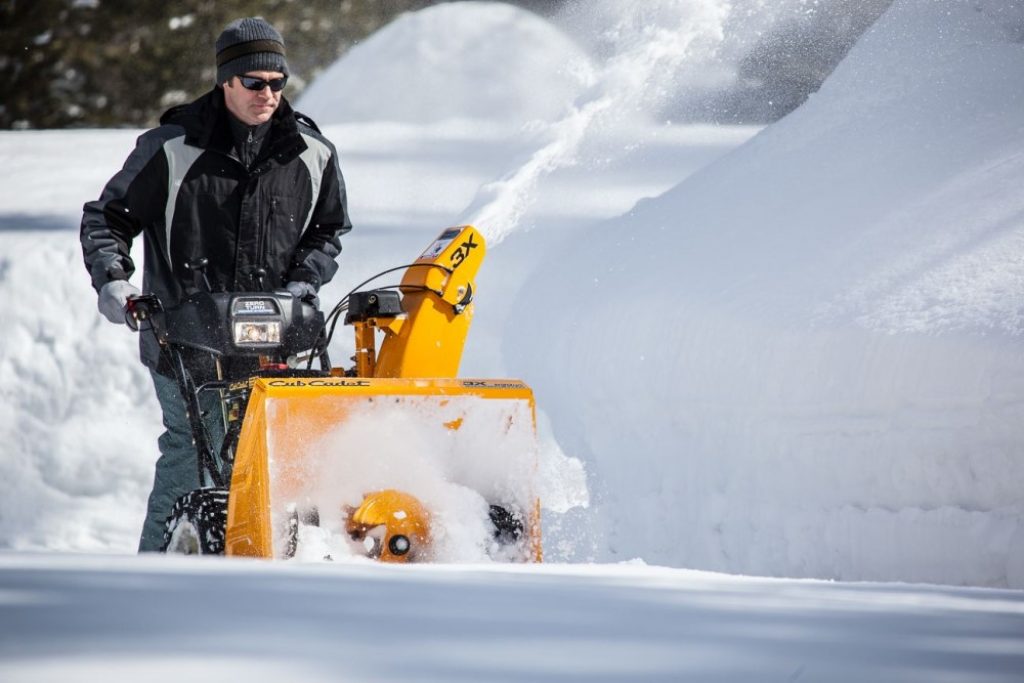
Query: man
point(237, 178)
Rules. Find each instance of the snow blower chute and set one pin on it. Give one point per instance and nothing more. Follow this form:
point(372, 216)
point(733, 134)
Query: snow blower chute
point(396, 455)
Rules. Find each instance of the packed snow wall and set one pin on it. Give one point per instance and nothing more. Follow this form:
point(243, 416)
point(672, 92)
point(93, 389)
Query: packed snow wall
point(806, 359)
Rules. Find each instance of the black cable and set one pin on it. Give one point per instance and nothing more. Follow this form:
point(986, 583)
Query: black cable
point(336, 314)
point(391, 270)
point(331, 320)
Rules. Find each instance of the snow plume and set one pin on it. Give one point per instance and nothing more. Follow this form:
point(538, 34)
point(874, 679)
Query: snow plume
point(666, 60)
point(651, 40)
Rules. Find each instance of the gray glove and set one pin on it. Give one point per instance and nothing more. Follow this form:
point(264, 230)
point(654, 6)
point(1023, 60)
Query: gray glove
point(113, 297)
point(303, 291)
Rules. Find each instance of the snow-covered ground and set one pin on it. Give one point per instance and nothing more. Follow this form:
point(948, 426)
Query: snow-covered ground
point(792, 352)
point(171, 619)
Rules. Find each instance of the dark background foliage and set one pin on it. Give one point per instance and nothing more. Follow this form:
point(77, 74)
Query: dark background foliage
point(102, 63)
point(67, 63)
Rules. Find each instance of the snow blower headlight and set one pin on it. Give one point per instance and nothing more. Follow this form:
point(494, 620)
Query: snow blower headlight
point(256, 322)
point(249, 333)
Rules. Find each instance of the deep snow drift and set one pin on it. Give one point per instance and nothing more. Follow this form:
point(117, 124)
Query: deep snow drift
point(801, 361)
point(522, 68)
point(805, 359)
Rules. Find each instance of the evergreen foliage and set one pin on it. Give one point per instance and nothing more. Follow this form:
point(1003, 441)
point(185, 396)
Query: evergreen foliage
point(69, 63)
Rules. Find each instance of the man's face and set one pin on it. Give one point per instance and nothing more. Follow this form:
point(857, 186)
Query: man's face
point(252, 107)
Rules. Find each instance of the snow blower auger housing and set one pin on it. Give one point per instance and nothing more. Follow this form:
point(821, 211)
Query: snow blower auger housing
point(396, 456)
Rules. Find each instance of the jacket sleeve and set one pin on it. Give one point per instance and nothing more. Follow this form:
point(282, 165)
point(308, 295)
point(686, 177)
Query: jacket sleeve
point(135, 197)
point(314, 260)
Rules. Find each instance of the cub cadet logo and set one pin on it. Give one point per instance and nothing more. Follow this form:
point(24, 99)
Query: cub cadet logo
point(319, 383)
point(462, 252)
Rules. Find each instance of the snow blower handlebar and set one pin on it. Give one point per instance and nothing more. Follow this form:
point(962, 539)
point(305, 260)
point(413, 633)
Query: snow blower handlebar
point(267, 325)
point(146, 313)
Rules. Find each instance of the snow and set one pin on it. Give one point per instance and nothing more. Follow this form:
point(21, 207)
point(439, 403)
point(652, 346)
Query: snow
point(455, 474)
point(145, 618)
point(789, 352)
point(814, 342)
point(518, 66)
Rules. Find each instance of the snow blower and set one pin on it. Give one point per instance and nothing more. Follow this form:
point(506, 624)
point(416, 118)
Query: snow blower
point(395, 455)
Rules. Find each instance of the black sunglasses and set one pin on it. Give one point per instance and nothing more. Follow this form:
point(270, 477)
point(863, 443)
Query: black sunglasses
point(257, 84)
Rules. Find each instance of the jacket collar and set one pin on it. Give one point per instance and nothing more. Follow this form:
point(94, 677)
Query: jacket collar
point(206, 126)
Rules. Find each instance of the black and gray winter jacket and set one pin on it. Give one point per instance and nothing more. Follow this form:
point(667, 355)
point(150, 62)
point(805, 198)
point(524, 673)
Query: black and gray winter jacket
point(185, 189)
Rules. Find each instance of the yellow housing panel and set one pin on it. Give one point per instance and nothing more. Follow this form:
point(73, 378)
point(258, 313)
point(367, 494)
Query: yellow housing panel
point(284, 450)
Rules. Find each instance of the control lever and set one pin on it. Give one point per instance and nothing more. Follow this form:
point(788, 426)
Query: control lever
point(198, 268)
point(143, 308)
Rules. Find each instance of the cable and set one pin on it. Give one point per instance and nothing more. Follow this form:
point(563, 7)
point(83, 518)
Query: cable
point(331, 320)
point(355, 289)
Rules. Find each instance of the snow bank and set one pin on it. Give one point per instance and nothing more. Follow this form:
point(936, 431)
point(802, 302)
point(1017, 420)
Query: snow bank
point(805, 359)
point(518, 66)
point(79, 424)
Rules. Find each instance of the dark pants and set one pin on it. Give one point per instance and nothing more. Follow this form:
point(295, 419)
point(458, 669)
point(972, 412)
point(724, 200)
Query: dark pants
point(177, 469)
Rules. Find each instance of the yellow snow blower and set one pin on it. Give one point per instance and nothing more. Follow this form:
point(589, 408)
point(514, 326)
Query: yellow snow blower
point(394, 458)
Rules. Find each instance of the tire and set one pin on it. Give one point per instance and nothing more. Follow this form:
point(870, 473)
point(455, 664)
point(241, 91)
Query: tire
point(508, 541)
point(197, 523)
point(508, 525)
point(296, 518)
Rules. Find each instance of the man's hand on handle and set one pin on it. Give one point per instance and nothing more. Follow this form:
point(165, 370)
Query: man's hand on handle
point(113, 297)
point(303, 291)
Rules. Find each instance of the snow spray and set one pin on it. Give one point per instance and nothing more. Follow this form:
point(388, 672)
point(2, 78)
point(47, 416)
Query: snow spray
point(649, 40)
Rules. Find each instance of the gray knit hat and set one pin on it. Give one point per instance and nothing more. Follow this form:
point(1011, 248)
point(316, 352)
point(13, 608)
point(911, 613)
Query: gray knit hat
point(249, 44)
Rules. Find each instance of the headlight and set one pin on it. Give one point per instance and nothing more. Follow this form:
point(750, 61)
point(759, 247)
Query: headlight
point(257, 322)
point(262, 332)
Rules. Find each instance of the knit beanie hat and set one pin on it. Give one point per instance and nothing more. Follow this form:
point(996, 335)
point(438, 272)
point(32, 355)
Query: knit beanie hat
point(249, 44)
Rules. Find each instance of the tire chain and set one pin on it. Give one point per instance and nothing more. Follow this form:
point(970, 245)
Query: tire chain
point(206, 510)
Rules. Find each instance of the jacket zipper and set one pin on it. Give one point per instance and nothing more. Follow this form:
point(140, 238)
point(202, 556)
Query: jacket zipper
point(264, 245)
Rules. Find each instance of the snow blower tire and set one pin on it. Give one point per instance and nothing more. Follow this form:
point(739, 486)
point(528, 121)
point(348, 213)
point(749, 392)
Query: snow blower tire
point(197, 523)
